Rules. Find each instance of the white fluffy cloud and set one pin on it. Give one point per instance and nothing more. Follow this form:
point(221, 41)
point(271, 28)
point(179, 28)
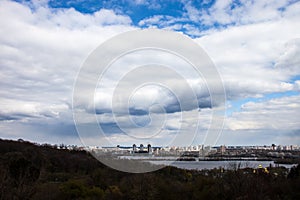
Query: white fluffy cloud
point(226, 12)
point(42, 49)
point(41, 52)
point(279, 114)
point(256, 59)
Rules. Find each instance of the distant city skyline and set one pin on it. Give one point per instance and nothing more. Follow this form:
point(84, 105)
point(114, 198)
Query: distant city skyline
point(266, 146)
point(255, 47)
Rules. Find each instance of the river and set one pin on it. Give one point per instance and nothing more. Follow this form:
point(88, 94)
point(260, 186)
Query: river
point(199, 165)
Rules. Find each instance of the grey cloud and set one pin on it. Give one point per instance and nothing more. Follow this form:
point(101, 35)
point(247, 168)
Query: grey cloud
point(289, 61)
point(8, 118)
point(100, 111)
point(110, 128)
point(137, 111)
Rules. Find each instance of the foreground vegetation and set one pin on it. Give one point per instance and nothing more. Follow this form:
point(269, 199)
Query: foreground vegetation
point(29, 171)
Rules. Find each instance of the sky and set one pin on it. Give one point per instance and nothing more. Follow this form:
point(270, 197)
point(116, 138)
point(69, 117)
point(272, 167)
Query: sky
point(254, 45)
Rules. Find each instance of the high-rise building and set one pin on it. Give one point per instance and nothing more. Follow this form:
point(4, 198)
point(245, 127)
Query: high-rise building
point(141, 147)
point(149, 148)
point(134, 148)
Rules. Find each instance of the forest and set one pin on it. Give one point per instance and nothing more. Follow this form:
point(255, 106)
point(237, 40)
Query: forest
point(33, 171)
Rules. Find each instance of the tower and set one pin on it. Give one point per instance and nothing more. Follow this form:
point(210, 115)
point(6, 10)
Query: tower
point(149, 148)
point(141, 147)
point(134, 148)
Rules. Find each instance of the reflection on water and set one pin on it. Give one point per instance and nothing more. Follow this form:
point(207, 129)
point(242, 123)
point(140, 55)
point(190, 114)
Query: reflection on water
point(215, 164)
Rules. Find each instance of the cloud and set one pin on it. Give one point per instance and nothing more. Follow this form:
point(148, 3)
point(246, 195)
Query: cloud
point(41, 51)
point(150, 4)
point(278, 114)
point(228, 12)
point(255, 46)
point(289, 61)
point(259, 137)
point(130, 86)
point(162, 21)
point(255, 59)
point(198, 19)
point(297, 85)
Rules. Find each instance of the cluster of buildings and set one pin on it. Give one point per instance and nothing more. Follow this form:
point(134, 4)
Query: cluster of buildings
point(275, 151)
point(199, 150)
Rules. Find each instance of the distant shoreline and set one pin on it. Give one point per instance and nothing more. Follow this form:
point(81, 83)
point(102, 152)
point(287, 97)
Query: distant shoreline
point(197, 159)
